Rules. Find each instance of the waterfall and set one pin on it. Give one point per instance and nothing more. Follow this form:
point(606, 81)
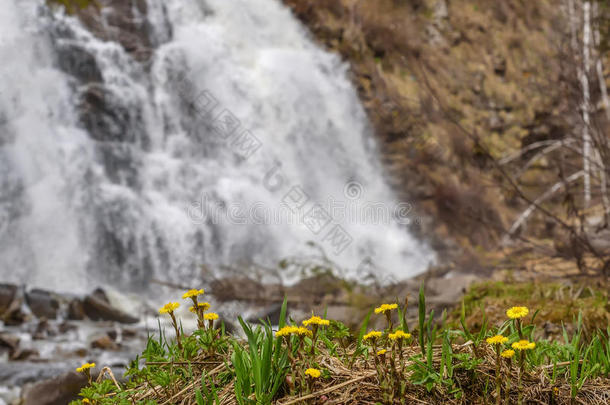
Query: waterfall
point(210, 133)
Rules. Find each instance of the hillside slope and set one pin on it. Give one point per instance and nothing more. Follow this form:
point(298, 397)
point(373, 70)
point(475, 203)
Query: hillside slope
point(449, 85)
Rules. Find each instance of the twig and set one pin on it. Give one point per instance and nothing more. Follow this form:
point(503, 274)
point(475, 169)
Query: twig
point(191, 385)
point(329, 389)
point(107, 370)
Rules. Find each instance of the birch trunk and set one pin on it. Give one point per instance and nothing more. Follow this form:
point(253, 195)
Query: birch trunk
point(586, 136)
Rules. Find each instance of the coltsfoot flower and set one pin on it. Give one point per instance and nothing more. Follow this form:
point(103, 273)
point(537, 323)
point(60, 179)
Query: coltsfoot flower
point(523, 345)
point(212, 316)
point(287, 331)
point(169, 308)
point(375, 334)
point(303, 331)
point(381, 352)
point(85, 401)
point(313, 372)
point(385, 308)
point(517, 312)
point(399, 334)
point(192, 293)
point(496, 340)
point(507, 353)
point(85, 367)
point(316, 320)
point(204, 306)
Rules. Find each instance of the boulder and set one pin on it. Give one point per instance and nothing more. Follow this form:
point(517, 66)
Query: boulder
point(101, 295)
point(447, 291)
point(43, 330)
point(10, 343)
point(42, 303)
point(25, 354)
point(237, 288)
point(14, 315)
point(104, 343)
point(8, 293)
point(76, 310)
point(269, 314)
point(55, 391)
point(99, 310)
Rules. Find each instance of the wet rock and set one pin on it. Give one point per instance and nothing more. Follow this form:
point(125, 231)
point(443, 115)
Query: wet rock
point(129, 333)
point(448, 291)
point(101, 295)
point(237, 288)
point(269, 314)
point(76, 310)
point(229, 326)
point(8, 292)
point(78, 62)
point(55, 391)
point(43, 330)
point(42, 303)
point(15, 315)
point(112, 334)
point(80, 352)
point(121, 22)
point(105, 343)
point(66, 327)
point(99, 310)
point(9, 343)
point(24, 354)
point(316, 288)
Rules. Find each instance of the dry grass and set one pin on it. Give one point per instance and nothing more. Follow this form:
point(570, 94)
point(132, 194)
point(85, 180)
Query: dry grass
point(359, 384)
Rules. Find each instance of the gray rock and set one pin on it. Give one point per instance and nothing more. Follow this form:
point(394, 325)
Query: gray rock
point(55, 391)
point(104, 342)
point(7, 295)
point(10, 343)
point(76, 310)
point(270, 314)
point(448, 291)
point(42, 303)
point(99, 310)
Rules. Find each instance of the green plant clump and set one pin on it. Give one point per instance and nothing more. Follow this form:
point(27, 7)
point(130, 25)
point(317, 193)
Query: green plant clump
point(320, 360)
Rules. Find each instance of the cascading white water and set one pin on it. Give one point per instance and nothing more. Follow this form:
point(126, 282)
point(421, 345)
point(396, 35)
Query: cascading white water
point(214, 151)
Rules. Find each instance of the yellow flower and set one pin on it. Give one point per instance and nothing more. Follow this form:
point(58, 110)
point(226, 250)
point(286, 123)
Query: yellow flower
point(84, 367)
point(523, 345)
point(385, 308)
point(507, 353)
point(286, 330)
point(399, 334)
point(192, 293)
point(301, 330)
point(204, 306)
point(313, 372)
point(372, 335)
point(211, 316)
point(497, 340)
point(85, 401)
point(381, 352)
point(169, 308)
point(316, 320)
point(517, 312)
